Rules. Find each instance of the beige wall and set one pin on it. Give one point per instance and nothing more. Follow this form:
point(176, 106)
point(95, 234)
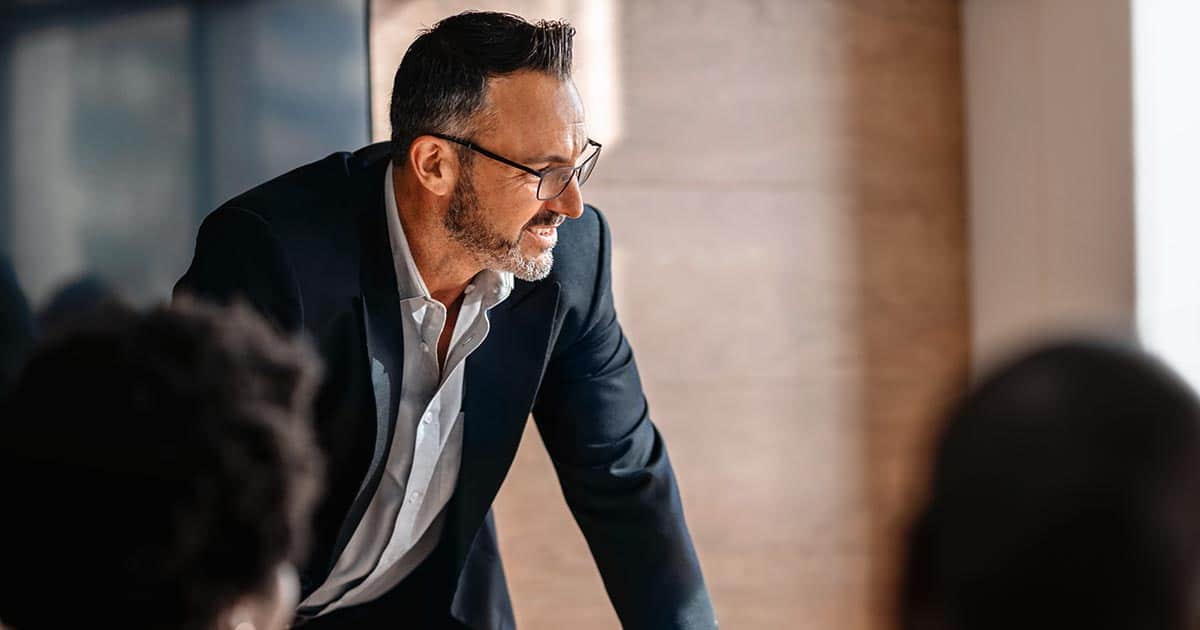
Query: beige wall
point(1049, 104)
point(784, 180)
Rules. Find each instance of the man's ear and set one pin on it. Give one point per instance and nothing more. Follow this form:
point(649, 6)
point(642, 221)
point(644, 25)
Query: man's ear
point(434, 164)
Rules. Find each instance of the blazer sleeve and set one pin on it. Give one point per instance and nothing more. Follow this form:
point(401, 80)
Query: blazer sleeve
point(238, 258)
point(614, 471)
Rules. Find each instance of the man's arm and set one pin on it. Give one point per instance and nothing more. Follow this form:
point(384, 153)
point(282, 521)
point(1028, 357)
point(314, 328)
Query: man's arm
point(614, 471)
point(237, 257)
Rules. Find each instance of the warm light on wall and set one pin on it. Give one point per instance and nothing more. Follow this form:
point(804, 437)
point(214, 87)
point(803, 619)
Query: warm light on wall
point(597, 68)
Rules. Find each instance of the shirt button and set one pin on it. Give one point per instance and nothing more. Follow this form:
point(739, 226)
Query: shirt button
point(415, 496)
point(469, 289)
point(428, 418)
point(424, 347)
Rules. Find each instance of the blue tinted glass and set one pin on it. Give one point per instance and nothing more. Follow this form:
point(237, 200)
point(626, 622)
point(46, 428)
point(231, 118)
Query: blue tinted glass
point(120, 127)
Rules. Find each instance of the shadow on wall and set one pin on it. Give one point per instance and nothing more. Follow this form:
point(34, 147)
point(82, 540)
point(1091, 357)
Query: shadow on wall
point(123, 123)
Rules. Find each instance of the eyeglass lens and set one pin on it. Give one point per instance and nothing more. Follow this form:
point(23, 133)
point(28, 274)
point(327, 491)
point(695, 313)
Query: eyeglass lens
point(556, 180)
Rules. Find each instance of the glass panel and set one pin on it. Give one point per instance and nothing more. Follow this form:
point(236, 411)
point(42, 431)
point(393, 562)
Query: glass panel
point(120, 127)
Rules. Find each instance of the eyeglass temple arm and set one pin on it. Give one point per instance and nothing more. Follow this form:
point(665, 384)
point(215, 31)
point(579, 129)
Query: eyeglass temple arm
point(503, 160)
point(482, 151)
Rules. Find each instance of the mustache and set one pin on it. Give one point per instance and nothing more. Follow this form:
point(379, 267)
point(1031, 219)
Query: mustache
point(546, 219)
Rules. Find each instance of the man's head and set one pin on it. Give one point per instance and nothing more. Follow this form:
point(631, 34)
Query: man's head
point(1065, 493)
point(502, 85)
point(160, 467)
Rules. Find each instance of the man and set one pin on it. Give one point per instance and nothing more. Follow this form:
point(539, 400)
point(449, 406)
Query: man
point(426, 270)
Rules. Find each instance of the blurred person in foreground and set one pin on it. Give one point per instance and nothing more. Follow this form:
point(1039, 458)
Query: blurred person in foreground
point(157, 471)
point(1065, 494)
point(456, 282)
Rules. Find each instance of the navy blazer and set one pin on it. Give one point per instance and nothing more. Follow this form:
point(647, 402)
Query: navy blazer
point(310, 251)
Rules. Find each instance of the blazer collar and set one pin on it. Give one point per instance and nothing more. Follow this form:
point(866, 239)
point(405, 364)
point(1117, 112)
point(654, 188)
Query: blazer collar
point(380, 306)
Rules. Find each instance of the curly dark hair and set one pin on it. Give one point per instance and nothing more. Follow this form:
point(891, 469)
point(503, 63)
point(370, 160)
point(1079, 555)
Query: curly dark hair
point(154, 468)
point(441, 83)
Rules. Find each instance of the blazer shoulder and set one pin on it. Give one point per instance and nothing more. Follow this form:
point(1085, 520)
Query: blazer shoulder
point(583, 248)
point(314, 211)
point(304, 193)
point(311, 220)
point(582, 267)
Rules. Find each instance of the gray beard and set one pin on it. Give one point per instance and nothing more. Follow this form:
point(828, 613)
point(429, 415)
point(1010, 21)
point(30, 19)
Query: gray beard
point(467, 225)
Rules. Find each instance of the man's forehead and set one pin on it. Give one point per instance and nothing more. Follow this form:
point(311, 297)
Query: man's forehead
point(535, 112)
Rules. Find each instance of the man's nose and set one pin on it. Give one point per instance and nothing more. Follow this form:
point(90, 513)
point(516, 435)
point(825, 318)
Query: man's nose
point(569, 203)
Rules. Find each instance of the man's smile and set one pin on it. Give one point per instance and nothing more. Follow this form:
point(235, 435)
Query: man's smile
point(543, 229)
point(544, 236)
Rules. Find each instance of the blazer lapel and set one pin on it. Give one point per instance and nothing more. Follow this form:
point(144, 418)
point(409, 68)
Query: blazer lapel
point(501, 381)
point(381, 314)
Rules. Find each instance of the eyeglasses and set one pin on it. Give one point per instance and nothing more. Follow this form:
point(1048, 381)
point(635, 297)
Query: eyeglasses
point(551, 181)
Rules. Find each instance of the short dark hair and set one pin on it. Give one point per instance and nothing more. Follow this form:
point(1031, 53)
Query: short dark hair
point(1064, 494)
point(154, 467)
point(441, 83)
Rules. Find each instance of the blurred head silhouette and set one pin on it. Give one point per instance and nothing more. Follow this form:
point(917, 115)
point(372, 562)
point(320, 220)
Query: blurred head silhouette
point(157, 471)
point(1065, 494)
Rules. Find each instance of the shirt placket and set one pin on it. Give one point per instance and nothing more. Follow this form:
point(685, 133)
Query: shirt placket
point(434, 426)
point(429, 318)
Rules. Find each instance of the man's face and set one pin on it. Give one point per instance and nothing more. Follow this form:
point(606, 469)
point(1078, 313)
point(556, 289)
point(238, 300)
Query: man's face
point(494, 212)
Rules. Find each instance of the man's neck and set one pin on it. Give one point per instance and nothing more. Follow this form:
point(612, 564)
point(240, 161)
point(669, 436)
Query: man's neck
point(445, 266)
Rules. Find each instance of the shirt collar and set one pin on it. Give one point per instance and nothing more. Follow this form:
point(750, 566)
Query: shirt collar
point(493, 286)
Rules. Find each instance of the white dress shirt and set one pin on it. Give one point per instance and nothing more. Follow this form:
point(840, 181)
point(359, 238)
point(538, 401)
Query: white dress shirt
point(404, 520)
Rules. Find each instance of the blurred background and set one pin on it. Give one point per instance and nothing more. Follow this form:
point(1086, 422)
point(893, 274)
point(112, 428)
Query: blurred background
point(124, 123)
point(828, 215)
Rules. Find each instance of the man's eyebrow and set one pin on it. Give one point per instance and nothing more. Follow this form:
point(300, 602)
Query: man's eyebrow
point(549, 159)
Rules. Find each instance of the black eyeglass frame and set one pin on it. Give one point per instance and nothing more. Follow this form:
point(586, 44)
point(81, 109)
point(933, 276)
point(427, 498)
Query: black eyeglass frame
point(577, 172)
